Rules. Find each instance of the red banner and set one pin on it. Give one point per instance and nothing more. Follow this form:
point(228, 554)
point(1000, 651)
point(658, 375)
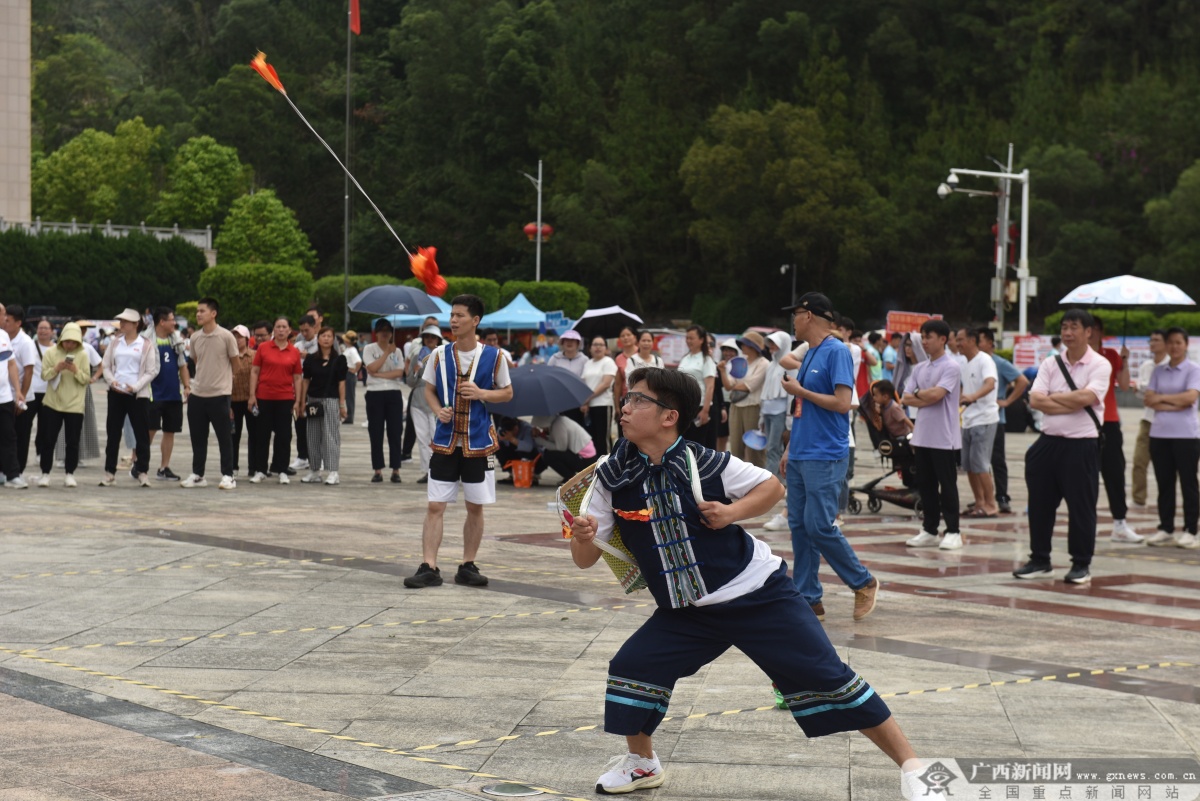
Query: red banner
point(355, 22)
point(902, 322)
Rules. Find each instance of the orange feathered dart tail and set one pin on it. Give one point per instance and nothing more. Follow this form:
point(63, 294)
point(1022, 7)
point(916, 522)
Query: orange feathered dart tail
point(260, 65)
point(424, 267)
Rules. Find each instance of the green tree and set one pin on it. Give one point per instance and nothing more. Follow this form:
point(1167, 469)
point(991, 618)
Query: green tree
point(1175, 221)
point(203, 180)
point(259, 229)
point(98, 176)
point(74, 88)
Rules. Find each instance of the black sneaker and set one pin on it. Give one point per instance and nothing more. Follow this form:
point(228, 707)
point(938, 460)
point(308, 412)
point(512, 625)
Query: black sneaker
point(423, 479)
point(133, 472)
point(290, 471)
point(165, 474)
point(469, 574)
point(377, 479)
point(1035, 570)
point(1078, 574)
point(1005, 508)
point(425, 576)
point(395, 477)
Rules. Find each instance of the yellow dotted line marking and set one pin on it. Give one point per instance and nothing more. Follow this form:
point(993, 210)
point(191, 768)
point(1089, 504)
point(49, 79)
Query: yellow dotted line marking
point(772, 707)
point(282, 721)
point(340, 627)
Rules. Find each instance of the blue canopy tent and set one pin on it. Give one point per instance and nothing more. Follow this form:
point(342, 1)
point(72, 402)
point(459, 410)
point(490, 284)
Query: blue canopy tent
point(520, 315)
point(415, 320)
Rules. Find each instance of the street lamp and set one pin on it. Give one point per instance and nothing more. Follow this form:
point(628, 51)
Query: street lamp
point(783, 269)
point(1027, 285)
point(537, 184)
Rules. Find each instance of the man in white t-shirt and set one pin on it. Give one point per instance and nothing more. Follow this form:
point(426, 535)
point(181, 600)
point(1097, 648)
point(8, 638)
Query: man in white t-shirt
point(460, 378)
point(980, 416)
point(11, 397)
point(25, 353)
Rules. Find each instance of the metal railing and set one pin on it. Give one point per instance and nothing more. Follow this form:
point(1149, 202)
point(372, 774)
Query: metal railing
point(202, 238)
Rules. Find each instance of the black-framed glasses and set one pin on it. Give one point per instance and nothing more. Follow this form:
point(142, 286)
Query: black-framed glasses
point(639, 400)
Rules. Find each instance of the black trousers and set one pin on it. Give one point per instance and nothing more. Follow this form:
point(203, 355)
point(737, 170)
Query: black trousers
point(1112, 467)
point(599, 424)
point(25, 422)
point(301, 439)
point(706, 435)
point(565, 463)
point(1176, 458)
point(937, 481)
point(8, 439)
point(1057, 469)
point(1000, 467)
point(243, 420)
point(203, 412)
point(274, 418)
point(50, 422)
point(351, 382)
point(410, 431)
point(136, 409)
point(385, 411)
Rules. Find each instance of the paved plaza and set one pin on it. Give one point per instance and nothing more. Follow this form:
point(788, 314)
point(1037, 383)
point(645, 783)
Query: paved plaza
point(179, 644)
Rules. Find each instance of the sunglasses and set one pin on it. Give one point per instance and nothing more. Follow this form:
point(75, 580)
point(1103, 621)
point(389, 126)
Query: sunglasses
point(639, 400)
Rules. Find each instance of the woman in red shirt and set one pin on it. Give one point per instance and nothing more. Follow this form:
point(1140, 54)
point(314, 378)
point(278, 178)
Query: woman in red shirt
point(275, 398)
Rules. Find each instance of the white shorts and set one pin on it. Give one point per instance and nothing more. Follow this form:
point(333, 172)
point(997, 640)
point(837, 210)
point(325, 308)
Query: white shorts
point(475, 474)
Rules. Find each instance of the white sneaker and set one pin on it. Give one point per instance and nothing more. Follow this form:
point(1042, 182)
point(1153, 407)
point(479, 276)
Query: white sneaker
point(1187, 540)
point(777, 523)
point(952, 541)
point(69, 481)
point(300, 464)
point(17, 483)
point(44, 481)
point(922, 540)
point(624, 774)
point(332, 478)
point(1161, 539)
point(227, 483)
point(283, 479)
point(108, 480)
point(1123, 533)
point(257, 478)
point(313, 477)
point(144, 479)
point(193, 481)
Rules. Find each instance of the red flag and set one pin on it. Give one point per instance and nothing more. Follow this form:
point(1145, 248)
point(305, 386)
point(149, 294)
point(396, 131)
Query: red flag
point(355, 22)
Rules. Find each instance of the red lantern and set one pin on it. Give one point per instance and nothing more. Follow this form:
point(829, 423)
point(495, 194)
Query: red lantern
point(531, 231)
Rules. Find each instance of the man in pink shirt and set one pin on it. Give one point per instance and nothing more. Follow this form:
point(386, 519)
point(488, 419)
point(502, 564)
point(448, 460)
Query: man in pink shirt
point(1064, 463)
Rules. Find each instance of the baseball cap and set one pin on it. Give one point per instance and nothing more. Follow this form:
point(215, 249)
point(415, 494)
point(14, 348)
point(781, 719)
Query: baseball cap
point(814, 302)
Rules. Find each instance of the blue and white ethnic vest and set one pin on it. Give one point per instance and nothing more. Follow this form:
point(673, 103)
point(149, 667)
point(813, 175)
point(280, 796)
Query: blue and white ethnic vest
point(471, 428)
point(682, 559)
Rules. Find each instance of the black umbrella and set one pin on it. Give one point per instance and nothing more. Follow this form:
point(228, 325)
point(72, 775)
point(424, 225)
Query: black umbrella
point(393, 299)
point(542, 390)
point(606, 322)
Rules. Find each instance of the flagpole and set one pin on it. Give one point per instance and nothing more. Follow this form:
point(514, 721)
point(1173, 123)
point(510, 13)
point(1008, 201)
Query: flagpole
point(346, 180)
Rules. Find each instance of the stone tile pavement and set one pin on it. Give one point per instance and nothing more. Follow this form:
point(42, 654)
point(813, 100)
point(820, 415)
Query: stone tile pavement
point(169, 643)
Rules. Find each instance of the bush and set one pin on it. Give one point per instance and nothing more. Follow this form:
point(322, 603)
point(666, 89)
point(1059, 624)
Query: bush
point(250, 292)
point(485, 288)
point(91, 275)
point(1005, 353)
point(566, 296)
point(187, 311)
point(328, 294)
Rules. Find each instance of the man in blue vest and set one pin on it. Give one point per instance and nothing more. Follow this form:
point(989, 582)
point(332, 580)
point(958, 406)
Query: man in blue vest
point(677, 505)
point(460, 378)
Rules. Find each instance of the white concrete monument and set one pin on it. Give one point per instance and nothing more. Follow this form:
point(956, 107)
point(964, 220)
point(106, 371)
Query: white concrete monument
point(15, 88)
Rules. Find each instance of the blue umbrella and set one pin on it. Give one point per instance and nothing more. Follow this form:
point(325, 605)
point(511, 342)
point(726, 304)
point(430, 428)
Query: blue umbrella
point(542, 390)
point(393, 299)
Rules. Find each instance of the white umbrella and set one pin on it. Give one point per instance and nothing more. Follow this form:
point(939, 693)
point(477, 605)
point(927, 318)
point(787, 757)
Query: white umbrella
point(1128, 290)
point(606, 322)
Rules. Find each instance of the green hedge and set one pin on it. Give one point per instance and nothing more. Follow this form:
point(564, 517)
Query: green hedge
point(565, 296)
point(251, 292)
point(91, 275)
point(1140, 321)
point(328, 293)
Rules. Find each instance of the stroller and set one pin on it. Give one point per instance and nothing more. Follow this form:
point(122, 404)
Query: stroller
point(898, 451)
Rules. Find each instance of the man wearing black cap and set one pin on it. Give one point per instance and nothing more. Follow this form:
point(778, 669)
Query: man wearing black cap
point(818, 454)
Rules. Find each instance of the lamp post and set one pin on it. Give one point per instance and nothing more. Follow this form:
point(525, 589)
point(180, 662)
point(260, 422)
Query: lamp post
point(1027, 285)
point(537, 184)
point(783, 269)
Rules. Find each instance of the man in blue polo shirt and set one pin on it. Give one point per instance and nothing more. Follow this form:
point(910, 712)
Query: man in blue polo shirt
point(817, 457)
